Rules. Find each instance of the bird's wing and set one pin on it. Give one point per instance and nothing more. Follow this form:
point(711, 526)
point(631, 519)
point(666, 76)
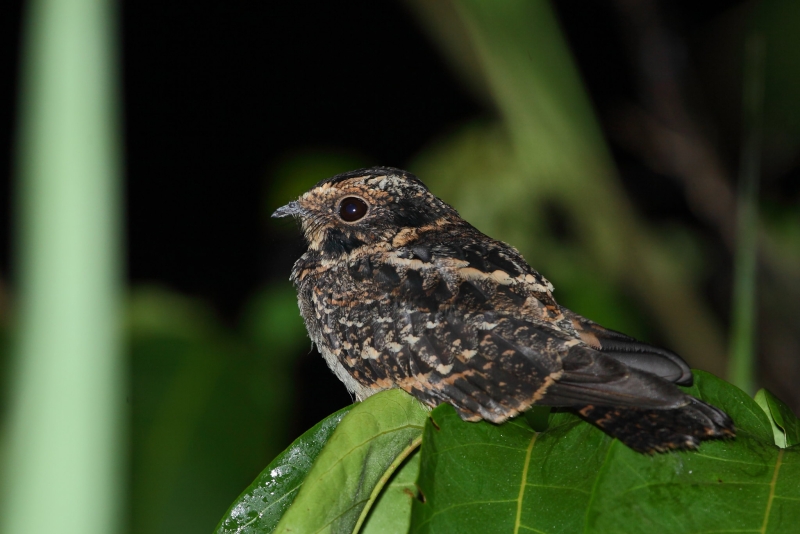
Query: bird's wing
point(481, 333)
point(631, 352)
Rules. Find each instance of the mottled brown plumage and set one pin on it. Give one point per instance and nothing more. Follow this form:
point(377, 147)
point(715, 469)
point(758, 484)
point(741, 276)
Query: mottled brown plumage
point(398, 291)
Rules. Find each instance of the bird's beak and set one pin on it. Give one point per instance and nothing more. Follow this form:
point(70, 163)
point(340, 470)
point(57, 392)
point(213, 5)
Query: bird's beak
point(292, 208)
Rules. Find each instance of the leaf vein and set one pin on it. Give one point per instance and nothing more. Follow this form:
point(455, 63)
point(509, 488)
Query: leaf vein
point(772, 490)
point(523, 482)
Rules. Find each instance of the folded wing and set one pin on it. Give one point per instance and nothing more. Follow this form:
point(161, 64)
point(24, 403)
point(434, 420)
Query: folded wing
point(631, 352)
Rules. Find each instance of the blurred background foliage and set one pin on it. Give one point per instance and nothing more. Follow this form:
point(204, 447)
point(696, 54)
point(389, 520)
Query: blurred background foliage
point(602, 139)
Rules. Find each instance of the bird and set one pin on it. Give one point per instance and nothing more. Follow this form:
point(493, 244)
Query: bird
point(397, 290)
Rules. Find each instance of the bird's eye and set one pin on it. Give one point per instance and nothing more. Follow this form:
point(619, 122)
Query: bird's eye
point(352, 209)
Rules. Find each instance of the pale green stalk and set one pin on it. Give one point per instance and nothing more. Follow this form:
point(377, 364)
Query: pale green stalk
point(62, 469)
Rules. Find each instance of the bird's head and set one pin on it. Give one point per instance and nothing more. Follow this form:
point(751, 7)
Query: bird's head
point(366, 206)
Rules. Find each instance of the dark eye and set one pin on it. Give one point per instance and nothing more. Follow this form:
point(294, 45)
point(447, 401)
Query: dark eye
point(352, 209)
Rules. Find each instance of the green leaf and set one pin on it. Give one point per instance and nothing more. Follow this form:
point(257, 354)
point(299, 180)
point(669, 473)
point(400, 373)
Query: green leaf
point(368, 446)
point(777, 431)
point(785, 425)
point(479, 477)
point(260, 507)
point(271, 320)
point(392, 512)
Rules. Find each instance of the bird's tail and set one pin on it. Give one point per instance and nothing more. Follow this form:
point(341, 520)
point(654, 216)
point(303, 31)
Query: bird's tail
point(649, 430)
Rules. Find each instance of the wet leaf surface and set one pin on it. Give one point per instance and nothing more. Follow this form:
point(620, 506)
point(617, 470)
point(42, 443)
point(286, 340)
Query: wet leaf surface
point(260, 507)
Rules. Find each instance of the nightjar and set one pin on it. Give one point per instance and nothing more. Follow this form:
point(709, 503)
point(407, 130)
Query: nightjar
point(398, 291)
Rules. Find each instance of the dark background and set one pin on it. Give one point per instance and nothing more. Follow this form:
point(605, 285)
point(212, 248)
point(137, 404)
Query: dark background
point(218, 94)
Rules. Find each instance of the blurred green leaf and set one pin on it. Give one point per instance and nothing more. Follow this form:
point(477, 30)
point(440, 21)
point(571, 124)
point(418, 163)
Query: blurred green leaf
point(478, 477)
point(782, 223)
point(581, 288)
point(211, 405)
point(177, 357)
point(272, 325)
point(272, 320)
point(263, 503)
point(156, 311)
point(364, 451)
point(785, 425)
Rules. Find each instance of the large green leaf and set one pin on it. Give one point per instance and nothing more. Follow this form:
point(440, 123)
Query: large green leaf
point(263, 503)
point(369, 445)
point(479, 477)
